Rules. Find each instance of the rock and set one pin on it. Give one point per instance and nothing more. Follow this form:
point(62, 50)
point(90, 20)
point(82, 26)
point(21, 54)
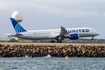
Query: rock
point(54, 51)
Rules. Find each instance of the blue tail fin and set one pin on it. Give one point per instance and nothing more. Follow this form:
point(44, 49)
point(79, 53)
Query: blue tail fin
point(18, 28)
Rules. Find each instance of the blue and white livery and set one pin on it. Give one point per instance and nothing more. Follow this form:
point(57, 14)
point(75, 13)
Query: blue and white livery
point(57, 34)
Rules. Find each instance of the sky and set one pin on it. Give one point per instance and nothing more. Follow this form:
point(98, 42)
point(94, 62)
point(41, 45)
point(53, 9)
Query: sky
point(51, 14)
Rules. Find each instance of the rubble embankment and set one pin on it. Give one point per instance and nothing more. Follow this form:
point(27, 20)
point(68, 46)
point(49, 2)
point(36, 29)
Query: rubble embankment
point(54, 51)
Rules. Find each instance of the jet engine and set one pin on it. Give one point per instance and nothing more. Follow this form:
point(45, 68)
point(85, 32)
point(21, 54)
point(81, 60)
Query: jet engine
point(74, 36)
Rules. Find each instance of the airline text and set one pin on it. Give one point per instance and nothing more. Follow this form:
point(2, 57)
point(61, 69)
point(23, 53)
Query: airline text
point(78, 31)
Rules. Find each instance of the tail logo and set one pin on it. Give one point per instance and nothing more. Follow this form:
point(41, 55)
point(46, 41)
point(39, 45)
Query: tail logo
point(18, 28)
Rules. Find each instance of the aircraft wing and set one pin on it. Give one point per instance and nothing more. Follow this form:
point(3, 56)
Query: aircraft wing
point(63, 32)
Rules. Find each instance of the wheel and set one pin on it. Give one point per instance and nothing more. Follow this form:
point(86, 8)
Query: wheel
point(52, 41)
point(59, 41)
point(92, 38)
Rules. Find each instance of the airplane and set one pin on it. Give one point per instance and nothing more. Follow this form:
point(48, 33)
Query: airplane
point(57, 34)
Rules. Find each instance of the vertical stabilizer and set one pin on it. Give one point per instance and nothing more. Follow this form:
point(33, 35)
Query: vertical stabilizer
point(18, 28)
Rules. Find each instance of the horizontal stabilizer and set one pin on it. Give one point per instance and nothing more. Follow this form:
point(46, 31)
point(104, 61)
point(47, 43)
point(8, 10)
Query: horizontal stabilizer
point(17, 35)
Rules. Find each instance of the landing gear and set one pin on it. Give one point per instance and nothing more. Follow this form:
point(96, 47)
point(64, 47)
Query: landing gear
point(52, 41)
point(59, 41)
point(92, 38)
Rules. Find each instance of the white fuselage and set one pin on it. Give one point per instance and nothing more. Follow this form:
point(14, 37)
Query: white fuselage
point(57, 34)
point(52, 33)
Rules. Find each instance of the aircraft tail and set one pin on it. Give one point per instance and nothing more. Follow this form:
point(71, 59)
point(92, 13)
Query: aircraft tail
point(18, 28)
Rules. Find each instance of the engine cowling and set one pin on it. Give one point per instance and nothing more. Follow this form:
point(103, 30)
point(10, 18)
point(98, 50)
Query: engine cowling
point(74, 36)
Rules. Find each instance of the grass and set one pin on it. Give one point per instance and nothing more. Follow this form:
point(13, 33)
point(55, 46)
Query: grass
point(12, 43)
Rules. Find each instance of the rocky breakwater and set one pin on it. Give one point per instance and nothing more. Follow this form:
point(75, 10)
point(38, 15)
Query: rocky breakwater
point(54, 51)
